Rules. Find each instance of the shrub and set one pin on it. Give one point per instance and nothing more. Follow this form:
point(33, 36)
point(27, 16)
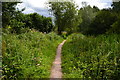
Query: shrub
point(28, 55)
point(91, 57)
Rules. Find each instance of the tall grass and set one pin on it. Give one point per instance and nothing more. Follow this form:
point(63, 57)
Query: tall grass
point(91, 57)
point(28, 55)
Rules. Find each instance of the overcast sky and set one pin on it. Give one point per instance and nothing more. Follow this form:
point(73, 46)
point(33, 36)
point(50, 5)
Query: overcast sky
point(40, 6)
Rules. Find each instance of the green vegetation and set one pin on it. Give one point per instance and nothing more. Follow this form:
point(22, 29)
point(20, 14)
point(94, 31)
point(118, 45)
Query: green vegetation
point(15, 21)
point(29, 41)
point(28, 55)
point(86, 20)
point(91, 57)
point(28, 44)
point(66, 16)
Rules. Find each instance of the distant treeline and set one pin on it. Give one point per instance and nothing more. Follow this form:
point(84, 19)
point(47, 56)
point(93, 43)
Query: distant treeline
point(87, 20)
point(14, 21)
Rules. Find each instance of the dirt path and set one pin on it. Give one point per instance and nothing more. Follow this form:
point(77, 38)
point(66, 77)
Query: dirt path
point(56, 71)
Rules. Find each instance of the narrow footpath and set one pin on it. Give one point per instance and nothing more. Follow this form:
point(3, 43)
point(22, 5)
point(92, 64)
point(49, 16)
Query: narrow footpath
point(56, 71)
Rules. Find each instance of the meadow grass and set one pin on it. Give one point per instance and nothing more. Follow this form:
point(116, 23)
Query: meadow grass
point(91, 57)
point(28, 55)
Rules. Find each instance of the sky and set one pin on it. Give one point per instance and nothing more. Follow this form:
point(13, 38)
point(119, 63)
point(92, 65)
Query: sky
point(40, 7)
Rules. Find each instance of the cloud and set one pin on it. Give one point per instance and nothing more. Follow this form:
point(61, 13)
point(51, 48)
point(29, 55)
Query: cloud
point(40, 7)
point(115, 0)
point(34, 6)
point(37, 3)
point(99, 3)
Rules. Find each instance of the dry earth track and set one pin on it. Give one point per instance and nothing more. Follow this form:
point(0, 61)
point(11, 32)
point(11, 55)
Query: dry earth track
point(56, 71)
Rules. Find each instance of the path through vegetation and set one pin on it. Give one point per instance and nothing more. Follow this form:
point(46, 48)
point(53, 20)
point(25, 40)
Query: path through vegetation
point(56, 71)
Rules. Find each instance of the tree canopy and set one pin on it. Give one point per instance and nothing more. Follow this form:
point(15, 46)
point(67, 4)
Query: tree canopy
point(66, 15)
point(17, 22)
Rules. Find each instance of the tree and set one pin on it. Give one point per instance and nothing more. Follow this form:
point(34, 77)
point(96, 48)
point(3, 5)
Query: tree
point(102, 22)
point(0, 15)
point(39, 22)
point(14, 21)
point(88, 14)
point(66, 15)
point(8, 11)
point(48, 26)
point(95, 9)
point(116, 6)
point(115, 27)
point(11, 17)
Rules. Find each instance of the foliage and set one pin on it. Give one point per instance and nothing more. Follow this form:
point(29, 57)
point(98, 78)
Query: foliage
point(87, 20)
point(8, 12)
point(64, 34)
point(88, 14)
point(115, 27)
point(91, 58)
point(33, 20)
point(102, 22)
point(116, 6)
point(29, 55)
point(17, 20)
point(41, 23)
point(66, 15)
point(95, 21)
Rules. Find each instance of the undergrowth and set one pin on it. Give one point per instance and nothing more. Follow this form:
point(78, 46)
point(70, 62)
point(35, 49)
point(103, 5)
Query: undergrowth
point(28, 55)
point(91, 58)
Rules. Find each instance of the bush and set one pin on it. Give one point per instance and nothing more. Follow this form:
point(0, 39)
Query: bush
point(28, 55)
point(115, 27)
point(91, 57)
point(102, 22)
